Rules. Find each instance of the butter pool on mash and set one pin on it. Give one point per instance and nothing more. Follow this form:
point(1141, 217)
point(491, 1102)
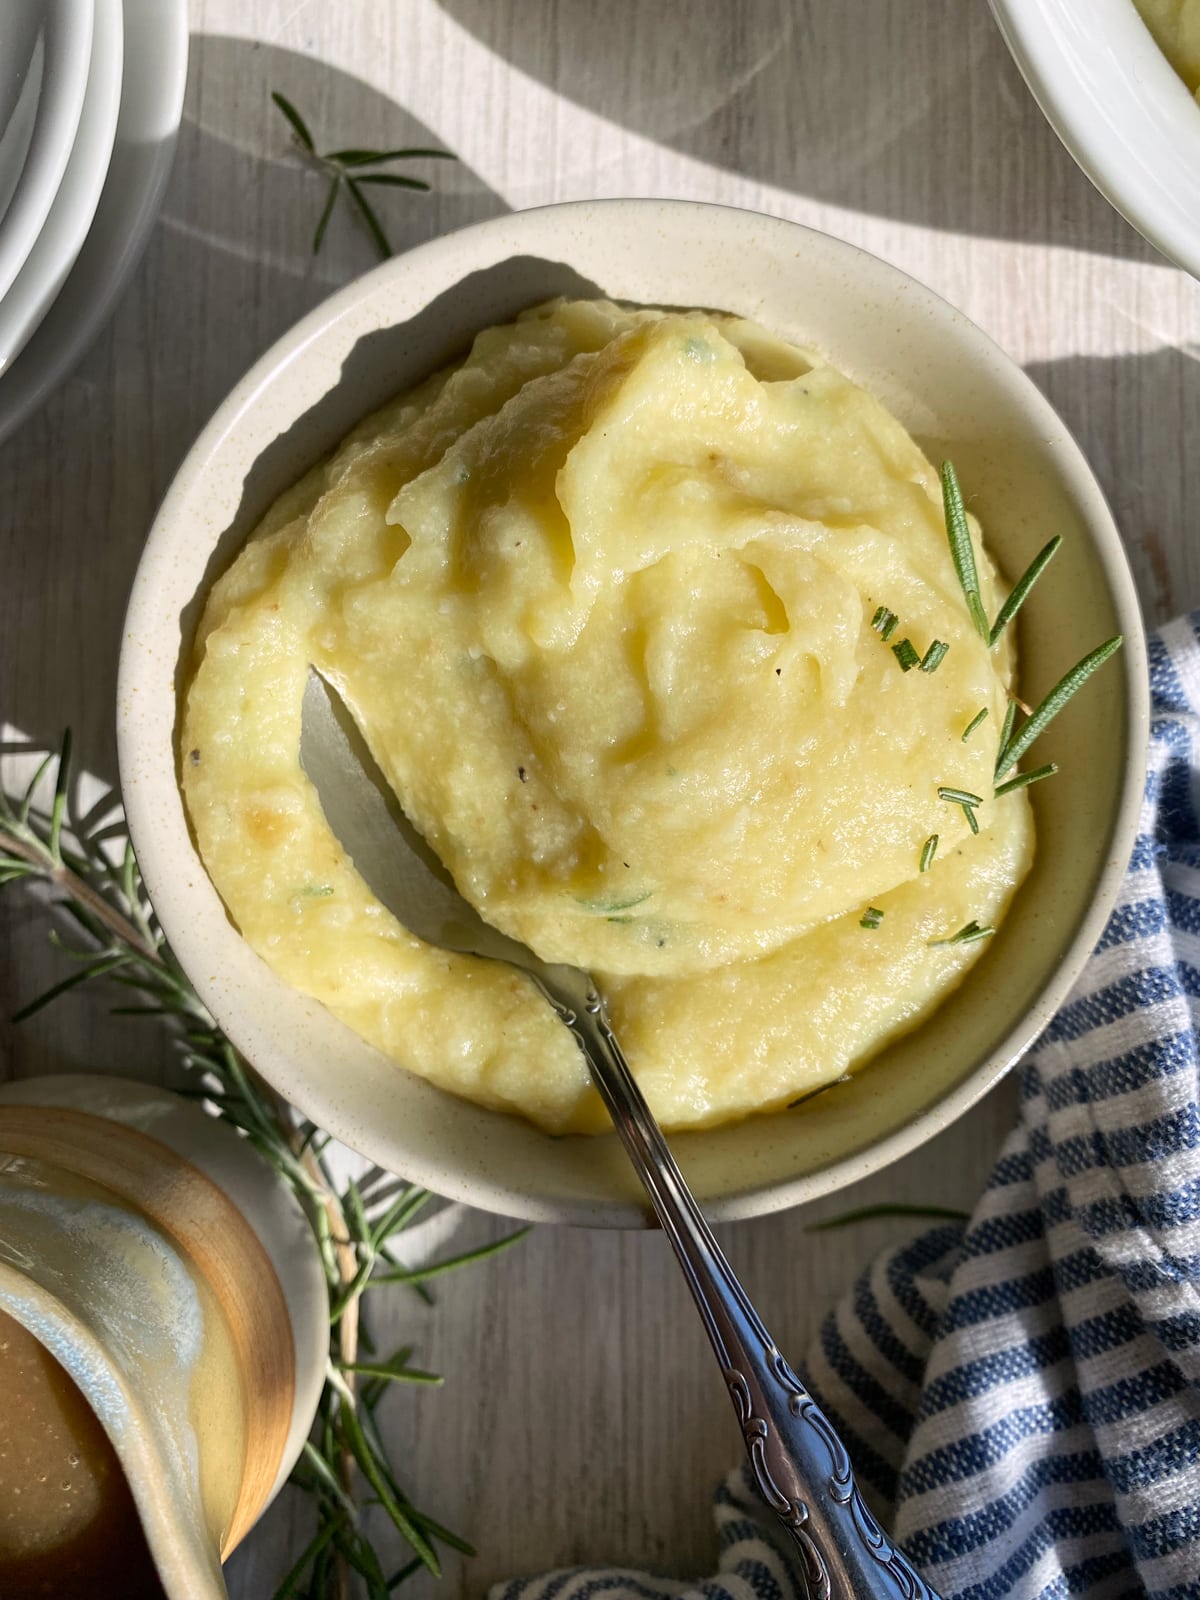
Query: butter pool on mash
point(600, 600)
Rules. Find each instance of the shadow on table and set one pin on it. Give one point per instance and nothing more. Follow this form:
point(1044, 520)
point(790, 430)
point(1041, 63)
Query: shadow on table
point(1121, 409)
point(910, 109)
point(228, 269)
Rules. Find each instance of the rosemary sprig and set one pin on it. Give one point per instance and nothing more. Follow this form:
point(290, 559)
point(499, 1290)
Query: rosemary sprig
point(343, 169)
point(1068, 685)
point(91, 877)
point(961, 550)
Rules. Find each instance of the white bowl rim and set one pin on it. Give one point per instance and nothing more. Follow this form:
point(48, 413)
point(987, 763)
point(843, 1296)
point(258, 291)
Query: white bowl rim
point(53, 253)
point(139, 772)
point(68, 62)
point(1084, 61)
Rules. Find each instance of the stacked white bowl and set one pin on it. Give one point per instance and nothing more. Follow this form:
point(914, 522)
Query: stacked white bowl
point(91, 93)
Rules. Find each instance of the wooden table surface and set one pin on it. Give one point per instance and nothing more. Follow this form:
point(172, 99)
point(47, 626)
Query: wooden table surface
point(581, 1420)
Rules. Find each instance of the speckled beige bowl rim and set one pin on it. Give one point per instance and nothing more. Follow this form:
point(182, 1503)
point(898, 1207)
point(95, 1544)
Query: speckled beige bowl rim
point(146, 689)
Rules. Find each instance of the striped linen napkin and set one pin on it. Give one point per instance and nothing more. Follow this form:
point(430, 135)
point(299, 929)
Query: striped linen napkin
point(1020, 1396)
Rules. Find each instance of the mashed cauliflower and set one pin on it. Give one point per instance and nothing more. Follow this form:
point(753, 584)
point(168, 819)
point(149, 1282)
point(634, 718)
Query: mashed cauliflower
point(600, 599)
point(1175, 25)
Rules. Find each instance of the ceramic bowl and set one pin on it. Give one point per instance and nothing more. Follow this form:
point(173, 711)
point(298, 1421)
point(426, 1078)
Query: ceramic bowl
point(53, 253)
point(51, 100)
point(174, 1277)
point(1119, 107)
point(959, 394)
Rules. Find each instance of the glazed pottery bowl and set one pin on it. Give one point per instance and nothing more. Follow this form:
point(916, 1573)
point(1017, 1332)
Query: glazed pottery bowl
point(960, 396)
point(165, 1267)
point(1119, 107)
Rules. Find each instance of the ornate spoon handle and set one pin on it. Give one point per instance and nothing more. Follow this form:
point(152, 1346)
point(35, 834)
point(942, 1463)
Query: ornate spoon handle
point(800, 1465)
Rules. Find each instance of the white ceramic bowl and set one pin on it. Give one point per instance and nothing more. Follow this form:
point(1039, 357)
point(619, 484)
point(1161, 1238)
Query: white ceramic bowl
point(53, 253)
point(153, 78)
point(1119, 107)
point(64, 59)
point(958, 393)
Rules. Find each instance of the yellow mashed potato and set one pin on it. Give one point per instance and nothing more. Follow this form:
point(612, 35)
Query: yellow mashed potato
point(600, 600)
point(1175, 25)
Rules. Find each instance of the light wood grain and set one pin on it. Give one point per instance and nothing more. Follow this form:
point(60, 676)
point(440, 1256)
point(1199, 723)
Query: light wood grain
point(581, 1420)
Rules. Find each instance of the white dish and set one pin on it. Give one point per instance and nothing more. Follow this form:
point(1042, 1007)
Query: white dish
point(1119, 107)
point(961, 395)
point(66, 43)
point(22, 63)
point(155, 70)
point(53, 252)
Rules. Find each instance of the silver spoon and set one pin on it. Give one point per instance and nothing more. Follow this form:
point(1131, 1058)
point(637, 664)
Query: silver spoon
point(801, 1467)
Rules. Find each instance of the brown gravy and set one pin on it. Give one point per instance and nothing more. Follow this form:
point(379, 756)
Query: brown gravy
point(69, 1528)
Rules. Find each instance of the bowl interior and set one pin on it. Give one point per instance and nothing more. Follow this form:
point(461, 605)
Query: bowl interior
point(1119, 107)
point(959, 395)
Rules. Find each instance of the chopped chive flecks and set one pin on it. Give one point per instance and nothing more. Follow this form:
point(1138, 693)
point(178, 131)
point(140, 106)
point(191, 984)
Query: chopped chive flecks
point(906, 655)
point(1022, 587)
point(934, 656)
point(928, 851)
point(1036, 723)
point(965, 799)
point(962, 552)
point(967, 934)
point(960, 797)
point(884, 622)
point(979, 717)
point(871, 917)
point(1024, 779)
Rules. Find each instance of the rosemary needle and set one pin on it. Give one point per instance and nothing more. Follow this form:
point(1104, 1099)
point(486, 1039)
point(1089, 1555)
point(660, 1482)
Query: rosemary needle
point(960, 797)
point(871, 917)
point(905, 653)
point(962, 552)
point(1039, 720)
point(967, 934)
point(1024, 779)
point(1022, 587)
point(1006, 728)
point(928, 851)
point(934, 656)
point(974, 723)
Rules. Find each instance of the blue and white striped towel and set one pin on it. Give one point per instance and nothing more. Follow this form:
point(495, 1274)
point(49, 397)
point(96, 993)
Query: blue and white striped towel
point(1023, 1395)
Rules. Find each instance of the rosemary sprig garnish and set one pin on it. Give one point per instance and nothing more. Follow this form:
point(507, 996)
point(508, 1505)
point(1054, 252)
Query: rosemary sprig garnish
point(928, 851)
point(961, 550)
point(1022, 587)
point(343, 168)
point(1037, 722)
point(1024, 779)
point(871, 917)
point(92, 878)
point(968, 934)
point(979, 717)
